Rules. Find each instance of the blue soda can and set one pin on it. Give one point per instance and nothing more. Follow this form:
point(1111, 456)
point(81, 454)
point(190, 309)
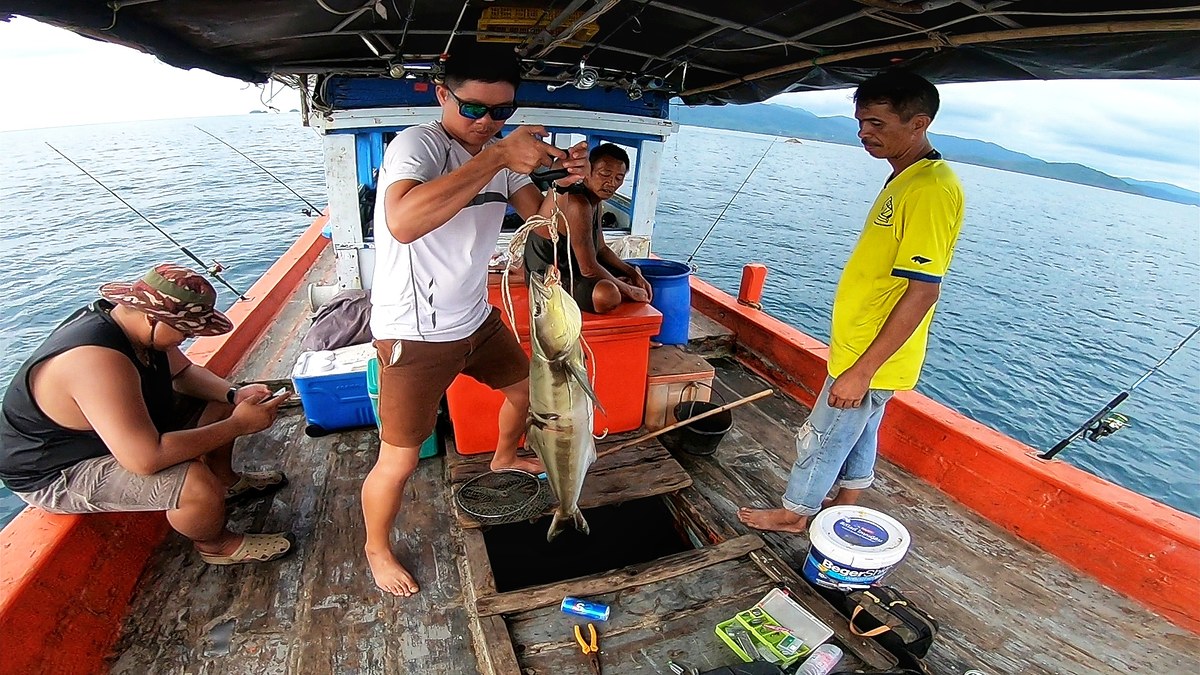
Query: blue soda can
point(591, 610)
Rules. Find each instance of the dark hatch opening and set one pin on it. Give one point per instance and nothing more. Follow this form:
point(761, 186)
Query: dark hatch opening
point(622, 534)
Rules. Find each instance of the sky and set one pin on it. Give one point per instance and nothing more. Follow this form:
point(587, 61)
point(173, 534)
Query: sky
point(1149, 130)
point(1144, 129)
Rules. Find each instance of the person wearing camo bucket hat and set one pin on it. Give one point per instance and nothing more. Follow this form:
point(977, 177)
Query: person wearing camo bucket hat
point(100, 418)
point(173, 295)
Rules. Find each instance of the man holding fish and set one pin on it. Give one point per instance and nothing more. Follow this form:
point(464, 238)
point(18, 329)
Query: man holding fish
point(443, 187)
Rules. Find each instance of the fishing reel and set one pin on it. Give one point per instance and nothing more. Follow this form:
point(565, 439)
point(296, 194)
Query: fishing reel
point(585, 78)
point(1107, 426)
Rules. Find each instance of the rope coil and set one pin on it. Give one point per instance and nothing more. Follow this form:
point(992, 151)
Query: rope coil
point(516, 252)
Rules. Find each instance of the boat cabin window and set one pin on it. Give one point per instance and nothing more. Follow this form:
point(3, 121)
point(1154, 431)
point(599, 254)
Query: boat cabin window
point(617, 211)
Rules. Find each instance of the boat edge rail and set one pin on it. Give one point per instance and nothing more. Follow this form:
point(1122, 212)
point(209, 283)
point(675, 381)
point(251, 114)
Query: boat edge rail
point(66, 580)
point(1141, 548)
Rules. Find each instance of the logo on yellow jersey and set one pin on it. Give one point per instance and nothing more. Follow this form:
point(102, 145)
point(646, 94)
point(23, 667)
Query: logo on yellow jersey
point(884, 219)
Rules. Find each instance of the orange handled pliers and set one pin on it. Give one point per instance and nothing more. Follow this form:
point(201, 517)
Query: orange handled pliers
point(589, 650)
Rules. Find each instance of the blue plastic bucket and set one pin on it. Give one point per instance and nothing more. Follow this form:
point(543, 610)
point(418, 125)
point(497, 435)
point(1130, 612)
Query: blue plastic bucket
point(672, 288)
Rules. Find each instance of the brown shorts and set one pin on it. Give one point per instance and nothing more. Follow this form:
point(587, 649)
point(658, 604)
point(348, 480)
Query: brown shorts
point(101, 484)
point(414, 376)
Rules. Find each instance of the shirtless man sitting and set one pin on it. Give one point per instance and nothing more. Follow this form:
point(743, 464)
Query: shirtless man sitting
point(90, 422)
point(596, 277)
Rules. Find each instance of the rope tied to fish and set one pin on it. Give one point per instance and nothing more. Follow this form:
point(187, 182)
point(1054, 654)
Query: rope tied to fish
point(553, 277)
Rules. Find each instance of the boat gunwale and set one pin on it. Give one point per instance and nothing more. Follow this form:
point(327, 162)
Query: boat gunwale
point(59, 606)
point(55, 566)
point(1145, 550)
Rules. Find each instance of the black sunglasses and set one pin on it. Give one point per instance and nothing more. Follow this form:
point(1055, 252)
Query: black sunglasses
point(475, 111)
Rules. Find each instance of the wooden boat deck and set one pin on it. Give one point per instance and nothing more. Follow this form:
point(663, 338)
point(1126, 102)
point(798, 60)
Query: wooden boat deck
point(1004, 606)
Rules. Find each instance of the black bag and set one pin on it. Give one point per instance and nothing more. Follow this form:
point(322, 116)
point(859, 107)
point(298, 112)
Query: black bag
point(883, 613)
point(756, 668)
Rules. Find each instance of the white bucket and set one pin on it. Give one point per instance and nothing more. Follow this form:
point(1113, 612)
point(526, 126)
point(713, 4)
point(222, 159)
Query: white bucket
point(853, 547)
point(319, 295)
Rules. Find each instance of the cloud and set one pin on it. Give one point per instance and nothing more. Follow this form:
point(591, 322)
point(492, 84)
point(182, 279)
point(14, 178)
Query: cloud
point(1141, 129)
point(61, 79)
point(1145, 129)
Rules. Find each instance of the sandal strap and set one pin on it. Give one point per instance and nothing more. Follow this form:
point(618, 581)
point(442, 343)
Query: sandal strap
point(255, 481)
point(254, 548)
point(261, 478)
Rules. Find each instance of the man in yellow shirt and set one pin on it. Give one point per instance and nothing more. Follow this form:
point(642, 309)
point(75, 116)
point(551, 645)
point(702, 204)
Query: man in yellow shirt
point(883, 304)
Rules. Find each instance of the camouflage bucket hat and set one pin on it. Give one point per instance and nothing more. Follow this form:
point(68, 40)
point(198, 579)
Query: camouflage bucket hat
point(176, 296)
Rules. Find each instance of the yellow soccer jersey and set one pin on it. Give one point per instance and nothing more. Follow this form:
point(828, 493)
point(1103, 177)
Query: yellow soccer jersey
point(909, 234)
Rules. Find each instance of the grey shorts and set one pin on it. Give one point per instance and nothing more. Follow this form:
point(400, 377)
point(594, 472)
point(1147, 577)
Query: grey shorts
point(101, 485)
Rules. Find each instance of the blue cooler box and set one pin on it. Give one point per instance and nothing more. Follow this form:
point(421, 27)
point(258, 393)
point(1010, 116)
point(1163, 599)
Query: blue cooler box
point(333, 387)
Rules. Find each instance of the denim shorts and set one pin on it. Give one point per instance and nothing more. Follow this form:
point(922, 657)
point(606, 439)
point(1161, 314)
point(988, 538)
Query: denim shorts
point(835, 446)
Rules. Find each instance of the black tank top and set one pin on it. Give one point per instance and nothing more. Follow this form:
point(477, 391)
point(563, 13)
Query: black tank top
point(539, 251)
point(33, 449)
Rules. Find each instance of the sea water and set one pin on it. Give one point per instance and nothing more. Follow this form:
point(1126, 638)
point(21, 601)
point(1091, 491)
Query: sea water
point(1059, 294)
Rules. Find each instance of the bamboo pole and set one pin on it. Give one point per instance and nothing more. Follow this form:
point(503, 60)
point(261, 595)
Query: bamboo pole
point(1107, 28)
point(728, 406)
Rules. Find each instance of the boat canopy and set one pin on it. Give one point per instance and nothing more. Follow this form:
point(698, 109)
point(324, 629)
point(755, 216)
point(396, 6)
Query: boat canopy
point(705, 51)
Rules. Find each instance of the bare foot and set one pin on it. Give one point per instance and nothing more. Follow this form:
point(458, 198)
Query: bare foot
point(531, 465)
point(773, 520)
point(390, 575)
point(844, 497)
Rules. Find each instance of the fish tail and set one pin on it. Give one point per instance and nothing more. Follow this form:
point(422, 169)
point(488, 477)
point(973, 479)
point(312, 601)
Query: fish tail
point(559, 524)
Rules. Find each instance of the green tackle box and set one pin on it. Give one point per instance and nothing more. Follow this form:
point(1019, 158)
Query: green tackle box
point(776, 608)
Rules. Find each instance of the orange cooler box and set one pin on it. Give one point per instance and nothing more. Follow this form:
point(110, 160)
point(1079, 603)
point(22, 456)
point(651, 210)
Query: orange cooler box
point(620, 343)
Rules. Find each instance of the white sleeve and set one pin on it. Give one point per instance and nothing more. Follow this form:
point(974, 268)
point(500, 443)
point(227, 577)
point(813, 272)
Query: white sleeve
point(516, 181)
point(416, 153)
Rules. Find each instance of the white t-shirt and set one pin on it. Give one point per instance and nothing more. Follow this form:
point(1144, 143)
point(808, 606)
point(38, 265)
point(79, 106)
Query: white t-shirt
point(435, 289)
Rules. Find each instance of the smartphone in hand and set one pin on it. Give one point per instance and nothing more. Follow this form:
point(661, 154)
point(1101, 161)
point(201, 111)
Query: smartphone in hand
point(282, 391)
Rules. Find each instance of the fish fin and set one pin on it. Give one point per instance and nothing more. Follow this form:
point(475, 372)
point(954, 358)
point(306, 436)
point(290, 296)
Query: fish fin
point(541, 421)
point(580, 376)
point(559, 524)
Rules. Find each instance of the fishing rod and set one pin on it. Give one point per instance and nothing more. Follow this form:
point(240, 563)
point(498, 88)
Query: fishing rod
point(730, 202)
point(315, 211)
point(1102, 424)
point(213, 270)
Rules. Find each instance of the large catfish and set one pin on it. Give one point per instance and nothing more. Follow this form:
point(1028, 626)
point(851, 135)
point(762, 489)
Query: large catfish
point(560, 398)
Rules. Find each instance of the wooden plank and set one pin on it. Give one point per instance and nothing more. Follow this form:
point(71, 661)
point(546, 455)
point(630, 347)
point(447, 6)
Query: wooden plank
point(672, 364)
point(709, 338)
point(493, 643)
point(694, 507)
point(495, 648)
point(637, 457)
point(615, 479)
point(693, 510)
point(672, 619)
point(318, 610)
point(1004, 606)
point(477, 564)
point(628, 577)
point(866, 651)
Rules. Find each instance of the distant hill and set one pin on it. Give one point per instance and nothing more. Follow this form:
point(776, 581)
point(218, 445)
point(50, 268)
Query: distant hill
point(785, 120)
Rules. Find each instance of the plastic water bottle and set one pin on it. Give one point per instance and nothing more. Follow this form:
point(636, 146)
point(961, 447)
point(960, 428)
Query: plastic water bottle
point(821, 661)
